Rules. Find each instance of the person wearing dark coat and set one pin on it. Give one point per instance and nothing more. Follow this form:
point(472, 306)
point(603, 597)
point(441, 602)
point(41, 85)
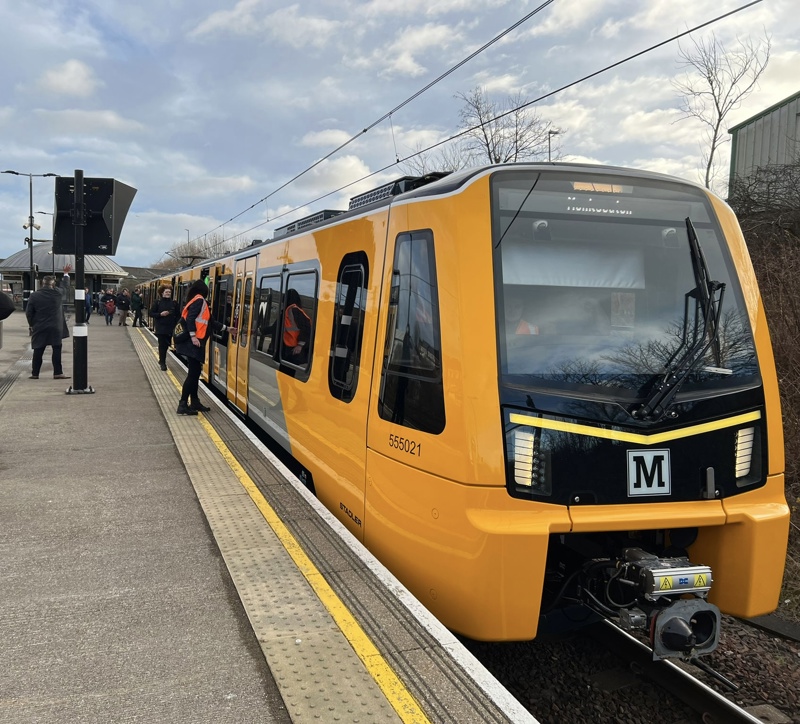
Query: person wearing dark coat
point(109, 296)
point(197, 319)
point(45, 313)
point(123, 302)
point(6, 306)
point(137, 305)
point(164, 314)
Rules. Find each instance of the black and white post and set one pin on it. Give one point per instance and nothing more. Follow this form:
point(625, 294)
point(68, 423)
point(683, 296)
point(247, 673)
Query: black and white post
point(80, 331)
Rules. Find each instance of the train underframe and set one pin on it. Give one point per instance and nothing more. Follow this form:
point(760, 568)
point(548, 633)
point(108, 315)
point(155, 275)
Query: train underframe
point(643, 582)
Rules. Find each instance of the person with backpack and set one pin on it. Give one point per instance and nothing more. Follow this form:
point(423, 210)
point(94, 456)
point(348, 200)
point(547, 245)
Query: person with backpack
point(108, 305)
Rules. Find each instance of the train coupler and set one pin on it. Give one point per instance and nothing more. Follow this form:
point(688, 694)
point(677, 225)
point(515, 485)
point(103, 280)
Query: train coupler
point(665, 597)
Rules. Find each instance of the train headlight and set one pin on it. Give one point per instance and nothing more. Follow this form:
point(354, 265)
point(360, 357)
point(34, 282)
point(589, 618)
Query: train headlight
point(744, 451)
point(531, 463)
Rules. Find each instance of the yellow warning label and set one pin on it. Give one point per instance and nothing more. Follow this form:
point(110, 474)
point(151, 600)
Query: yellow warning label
point(700, 581)
point(666, 583)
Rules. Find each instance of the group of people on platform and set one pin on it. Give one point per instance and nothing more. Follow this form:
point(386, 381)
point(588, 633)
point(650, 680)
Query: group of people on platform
point(48, 327)
point(123, 303)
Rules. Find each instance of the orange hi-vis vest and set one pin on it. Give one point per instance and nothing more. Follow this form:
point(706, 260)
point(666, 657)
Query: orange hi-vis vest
point(524, 328)
point(291, 332)
point(202, 319)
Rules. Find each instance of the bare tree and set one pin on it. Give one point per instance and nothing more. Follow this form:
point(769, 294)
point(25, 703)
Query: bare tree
point(501, 132)
point(715, 83)
point(449, 157)
point(210, 246)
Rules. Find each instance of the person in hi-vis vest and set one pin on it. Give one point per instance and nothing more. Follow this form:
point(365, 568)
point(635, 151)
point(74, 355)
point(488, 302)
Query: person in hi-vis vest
point(514, 314)
point(296, 330)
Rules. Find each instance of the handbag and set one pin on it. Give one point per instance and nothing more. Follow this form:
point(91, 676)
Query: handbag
point(180, 333)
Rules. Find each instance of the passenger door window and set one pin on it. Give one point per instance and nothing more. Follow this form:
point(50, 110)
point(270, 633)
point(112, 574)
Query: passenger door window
point(300, 304)
point(412, 389)
point(348, 326)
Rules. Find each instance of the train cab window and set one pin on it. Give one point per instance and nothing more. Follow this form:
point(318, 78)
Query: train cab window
point(299, 311)
point(412, 389)
point(267, 324)
point(348, 326)
point(246, 303)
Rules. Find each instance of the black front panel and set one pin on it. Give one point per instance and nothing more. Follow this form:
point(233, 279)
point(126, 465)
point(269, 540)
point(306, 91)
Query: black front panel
point(715, 450)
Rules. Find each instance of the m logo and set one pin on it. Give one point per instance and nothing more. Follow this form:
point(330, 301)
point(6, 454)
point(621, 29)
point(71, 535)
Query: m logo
point(648, 472)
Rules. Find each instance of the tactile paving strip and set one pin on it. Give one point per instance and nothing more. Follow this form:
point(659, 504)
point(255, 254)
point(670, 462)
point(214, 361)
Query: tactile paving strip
point(318, 673)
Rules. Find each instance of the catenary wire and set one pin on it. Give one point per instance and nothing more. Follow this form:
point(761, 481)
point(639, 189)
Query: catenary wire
point(389, 114)
point(466, 131)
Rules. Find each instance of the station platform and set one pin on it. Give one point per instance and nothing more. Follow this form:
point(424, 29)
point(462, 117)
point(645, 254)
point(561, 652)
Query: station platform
point(163, 568)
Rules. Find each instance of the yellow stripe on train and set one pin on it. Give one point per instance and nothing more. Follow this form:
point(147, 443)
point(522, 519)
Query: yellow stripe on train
point(639, 439)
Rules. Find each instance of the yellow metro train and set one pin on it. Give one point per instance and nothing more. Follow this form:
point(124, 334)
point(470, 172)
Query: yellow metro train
point(524, 388)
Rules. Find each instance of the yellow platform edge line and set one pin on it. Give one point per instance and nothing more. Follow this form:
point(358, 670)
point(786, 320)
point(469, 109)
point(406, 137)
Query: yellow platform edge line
point(395, 691)
point(398, 696)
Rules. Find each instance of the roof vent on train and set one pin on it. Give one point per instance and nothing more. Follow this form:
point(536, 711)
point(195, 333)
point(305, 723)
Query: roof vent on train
point(305, 222)
point(393, 188)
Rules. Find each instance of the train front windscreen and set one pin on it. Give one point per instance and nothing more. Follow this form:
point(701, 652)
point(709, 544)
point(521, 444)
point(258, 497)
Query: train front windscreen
point(604, 282)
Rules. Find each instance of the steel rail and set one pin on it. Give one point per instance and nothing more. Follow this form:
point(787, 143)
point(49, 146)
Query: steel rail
point(712, 706)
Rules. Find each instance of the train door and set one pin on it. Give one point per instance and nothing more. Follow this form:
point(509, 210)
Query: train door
point(239, 343)
point(221, 304)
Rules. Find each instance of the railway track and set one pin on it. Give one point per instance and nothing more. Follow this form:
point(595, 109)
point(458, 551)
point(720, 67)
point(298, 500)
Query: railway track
point(712, 707)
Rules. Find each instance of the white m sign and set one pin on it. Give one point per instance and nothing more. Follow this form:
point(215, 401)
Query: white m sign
point(648, 472)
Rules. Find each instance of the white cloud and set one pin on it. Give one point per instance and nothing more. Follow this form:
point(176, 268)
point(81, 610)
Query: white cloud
point(328, 138)
point(245, 17)
point(82, 122)
point(73, 78)
point(400, 57)
point(285, 26)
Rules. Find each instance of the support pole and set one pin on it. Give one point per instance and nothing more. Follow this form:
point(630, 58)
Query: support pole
point(80, 332)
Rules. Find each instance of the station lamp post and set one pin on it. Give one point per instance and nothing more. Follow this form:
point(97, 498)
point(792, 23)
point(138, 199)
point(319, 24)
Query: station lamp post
point(30, 225)
point(550, 134)
point(52, 252)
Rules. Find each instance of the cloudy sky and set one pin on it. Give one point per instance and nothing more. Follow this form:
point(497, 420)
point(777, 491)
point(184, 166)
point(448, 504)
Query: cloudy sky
point(208, 107)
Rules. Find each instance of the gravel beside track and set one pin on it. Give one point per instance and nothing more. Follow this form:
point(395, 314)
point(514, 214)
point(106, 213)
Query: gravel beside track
point(576, 679)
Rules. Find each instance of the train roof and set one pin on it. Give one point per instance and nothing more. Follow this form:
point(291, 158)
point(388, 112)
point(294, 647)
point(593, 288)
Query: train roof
point(435, 184)
point(438, 183)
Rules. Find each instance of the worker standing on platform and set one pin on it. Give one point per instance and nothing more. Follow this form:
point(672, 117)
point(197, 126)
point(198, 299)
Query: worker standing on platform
point(45, 313)
point(197, 318)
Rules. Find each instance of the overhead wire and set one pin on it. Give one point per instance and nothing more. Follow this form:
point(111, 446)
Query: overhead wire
point(389, 114)
point(467, 131)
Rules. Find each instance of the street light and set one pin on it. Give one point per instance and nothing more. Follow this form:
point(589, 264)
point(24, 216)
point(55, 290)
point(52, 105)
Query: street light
point(52, 243)
point(550, 134)
point(30, 225)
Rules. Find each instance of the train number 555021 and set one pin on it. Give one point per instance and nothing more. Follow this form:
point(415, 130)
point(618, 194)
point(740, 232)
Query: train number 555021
point(407, 446)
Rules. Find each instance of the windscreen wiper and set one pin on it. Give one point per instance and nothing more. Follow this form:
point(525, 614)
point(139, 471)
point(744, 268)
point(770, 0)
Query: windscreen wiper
point(707, 297)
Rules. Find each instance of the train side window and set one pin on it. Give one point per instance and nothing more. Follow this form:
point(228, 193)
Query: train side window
point(348, 326)
point(221, 307)
point(248, 293)
point(268, 307)
point(299, 312)
point(412, 389)
point(237, 308)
